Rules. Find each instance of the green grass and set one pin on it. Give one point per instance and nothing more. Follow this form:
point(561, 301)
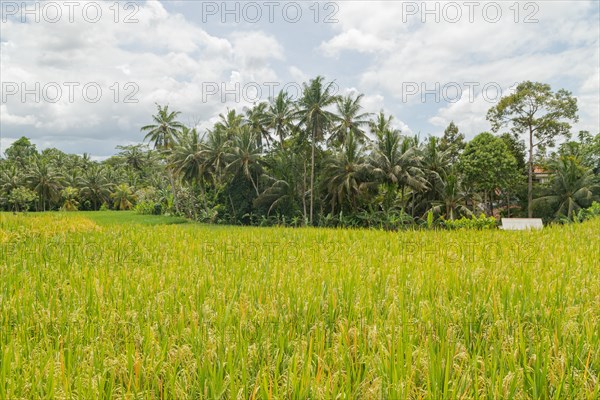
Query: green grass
point(168, 311)
point(130, 217)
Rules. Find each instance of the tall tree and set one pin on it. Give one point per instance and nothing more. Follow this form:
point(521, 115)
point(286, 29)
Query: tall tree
point(165, 129)
point(280, 116)
point(95, 185)
point(134, 156)
point(244, 156)
point(452, 142)
point(256, 118)
point(349, 120)
point(11, 177)
point(165, 134)
point(344, 174)
point(488, 165)
point(21, 151)
point(45, 181)
point(215, 149)
point(539, 113)
point(187, 158)
point(313, 114)
point(395, 161)
point(229, 123)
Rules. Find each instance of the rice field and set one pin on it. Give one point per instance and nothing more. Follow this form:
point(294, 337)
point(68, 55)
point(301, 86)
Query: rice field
point(134, 311)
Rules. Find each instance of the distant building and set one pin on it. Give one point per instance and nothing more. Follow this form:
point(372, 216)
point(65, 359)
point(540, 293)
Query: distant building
point(540, 175)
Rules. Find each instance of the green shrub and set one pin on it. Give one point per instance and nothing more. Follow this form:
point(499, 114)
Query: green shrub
point(479, 223)
point(147, 207)
point(589, 213)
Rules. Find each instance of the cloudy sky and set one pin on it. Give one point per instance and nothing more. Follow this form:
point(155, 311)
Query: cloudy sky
point(84, 76)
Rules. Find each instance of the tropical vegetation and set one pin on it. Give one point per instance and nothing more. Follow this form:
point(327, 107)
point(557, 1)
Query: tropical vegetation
point(323, 160)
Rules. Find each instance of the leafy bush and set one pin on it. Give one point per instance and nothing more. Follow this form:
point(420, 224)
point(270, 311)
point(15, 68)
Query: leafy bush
point(479, 223)
point(21, 198)
point(589, 213)
point(148, 207)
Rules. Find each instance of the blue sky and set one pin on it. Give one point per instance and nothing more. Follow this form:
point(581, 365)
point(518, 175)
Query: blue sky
point(178, 52)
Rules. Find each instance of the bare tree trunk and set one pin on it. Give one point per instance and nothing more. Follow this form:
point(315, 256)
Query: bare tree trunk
point(312, 177)
point(485, 203)
point(172, 181)
point(530, 180)
point(304, 192)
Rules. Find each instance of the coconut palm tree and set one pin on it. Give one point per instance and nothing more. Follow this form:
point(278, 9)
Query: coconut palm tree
point(381, 124)
point(395, 161)
point(573, 187)
point(344, 174)
point(229, 124)
point(215, 149)
point(164, 133)
point(11, 177)
point(187, 157)
point(349, 119)
point(134, 156)
point(94, 185)
point(285, 189)
point(435, 164)
point(452, 201)
point(45, 181)
point(256, 119)
point(312, 113)
point(245, 156)
point(69, 195)
point(280, 116)
point(123, 197)
point(165, 129)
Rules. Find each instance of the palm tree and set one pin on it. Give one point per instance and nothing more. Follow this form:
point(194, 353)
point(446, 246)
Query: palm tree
point(123, 197)
point(256, 119)
point(187, 157)
point(285, 188)
point(435, 162)
point(279, 116)
point(452, 199)
point(45, 181)
point(314, 116)
point(395, 160)
point(435, 165)
point(94, 185)
point(165, 130)
point(245, 156)
point(134, 156)
point(11, 177)
point(381, 124)
point(85, 161)
point(70, 195)
point(72, 177)
point(229, 124)
point(214, 153)
point(573, 187)
point(349, 119)
point(165, 134)
point(344, 174)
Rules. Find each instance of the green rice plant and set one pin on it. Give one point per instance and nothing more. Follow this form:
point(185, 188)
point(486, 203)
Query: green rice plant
point(139, 311)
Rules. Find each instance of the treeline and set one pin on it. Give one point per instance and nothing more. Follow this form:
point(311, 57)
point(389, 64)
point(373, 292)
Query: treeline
point(323, 160)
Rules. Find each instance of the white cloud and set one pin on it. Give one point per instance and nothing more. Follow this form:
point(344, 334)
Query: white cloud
point(561, 49)
point(163, 58)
